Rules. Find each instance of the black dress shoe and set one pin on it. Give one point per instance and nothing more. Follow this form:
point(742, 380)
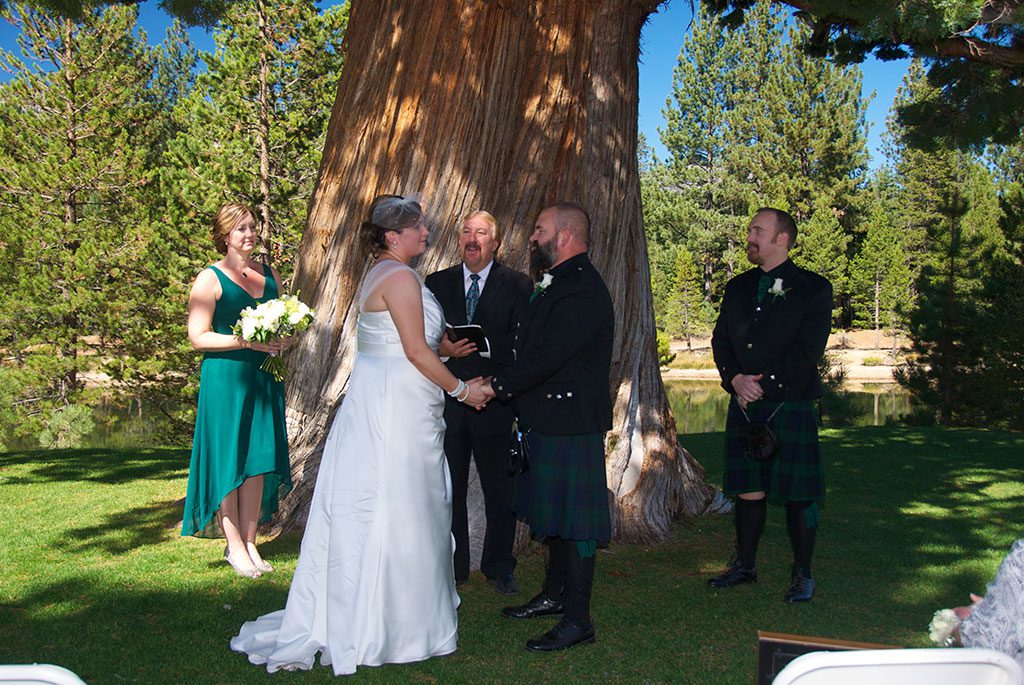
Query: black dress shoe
point(734, 575)
point(565, 634)
point(801, 589)
point(506, 585)
point(538, 606)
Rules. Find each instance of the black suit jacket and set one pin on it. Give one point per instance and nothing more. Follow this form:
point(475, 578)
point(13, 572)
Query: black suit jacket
point(563, 355)
point(782, 337)
point(497, 311)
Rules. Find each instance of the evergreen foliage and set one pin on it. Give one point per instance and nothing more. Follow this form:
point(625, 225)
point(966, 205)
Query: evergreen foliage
point(880, 275)
point(252, 128)
point(975, 50)
point(949, 200)
point(753, 121)
point(74, 132)
point(119, 154)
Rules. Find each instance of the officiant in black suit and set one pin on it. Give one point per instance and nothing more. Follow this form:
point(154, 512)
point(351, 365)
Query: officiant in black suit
point(770, 335)
point(560, 384)
point(481, 291)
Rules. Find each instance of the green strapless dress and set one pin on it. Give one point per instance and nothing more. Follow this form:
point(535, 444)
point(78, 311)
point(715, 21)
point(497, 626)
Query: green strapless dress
point(240, 428)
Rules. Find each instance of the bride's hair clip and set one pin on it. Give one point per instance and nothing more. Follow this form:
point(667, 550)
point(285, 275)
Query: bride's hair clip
point(393, 212)
point(389, 213)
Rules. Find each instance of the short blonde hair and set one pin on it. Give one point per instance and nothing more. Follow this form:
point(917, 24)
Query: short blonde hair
point(225, 221)
point(486, 216)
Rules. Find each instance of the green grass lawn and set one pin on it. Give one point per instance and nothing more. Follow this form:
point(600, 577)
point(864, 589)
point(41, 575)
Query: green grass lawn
point(94, 577)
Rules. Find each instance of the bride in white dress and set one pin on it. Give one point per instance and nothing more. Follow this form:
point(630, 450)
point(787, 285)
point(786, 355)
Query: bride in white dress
point(374, 582)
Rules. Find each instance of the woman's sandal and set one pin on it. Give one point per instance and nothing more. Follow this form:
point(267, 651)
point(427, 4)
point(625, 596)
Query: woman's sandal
point(258, 561)
point(245, 570)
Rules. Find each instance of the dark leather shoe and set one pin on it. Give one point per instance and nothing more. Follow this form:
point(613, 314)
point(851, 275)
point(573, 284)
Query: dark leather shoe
point(506, 585)
point(734, 575)
point(538, 606)
point(801, 589)
point(565, 634)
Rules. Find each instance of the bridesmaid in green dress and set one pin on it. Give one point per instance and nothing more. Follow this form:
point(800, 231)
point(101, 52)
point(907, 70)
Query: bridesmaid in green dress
point(239, 466)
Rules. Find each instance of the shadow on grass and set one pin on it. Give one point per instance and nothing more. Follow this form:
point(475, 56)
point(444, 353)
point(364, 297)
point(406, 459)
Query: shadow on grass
point(127, 530)
point(914, 520)
point(96, 465)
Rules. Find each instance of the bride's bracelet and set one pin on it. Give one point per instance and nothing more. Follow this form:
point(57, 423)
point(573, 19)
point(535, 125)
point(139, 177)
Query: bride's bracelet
point(458, 390)
point(464, 395)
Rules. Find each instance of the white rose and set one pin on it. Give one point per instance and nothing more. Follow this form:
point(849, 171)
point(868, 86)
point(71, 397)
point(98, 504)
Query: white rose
point(546, 281)
point(944, 622)
point(248, 328)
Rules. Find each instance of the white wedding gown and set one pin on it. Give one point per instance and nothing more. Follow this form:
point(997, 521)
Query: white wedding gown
point(374, 582)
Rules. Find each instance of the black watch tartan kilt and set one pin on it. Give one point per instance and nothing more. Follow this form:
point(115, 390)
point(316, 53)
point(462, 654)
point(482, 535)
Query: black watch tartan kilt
point(565, 491)
point(795, 472)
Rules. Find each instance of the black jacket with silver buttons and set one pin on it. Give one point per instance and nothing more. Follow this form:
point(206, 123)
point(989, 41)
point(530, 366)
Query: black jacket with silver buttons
point(560, 379)
point(781, 337)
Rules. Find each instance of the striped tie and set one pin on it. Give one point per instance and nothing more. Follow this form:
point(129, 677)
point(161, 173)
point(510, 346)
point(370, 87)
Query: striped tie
point(762, 286)
point(472, 296)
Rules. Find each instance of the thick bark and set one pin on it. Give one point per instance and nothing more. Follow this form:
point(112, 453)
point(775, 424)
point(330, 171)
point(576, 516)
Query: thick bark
point(506, 106)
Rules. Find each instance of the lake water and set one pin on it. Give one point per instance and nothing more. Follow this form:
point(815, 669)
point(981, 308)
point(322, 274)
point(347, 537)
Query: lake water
point(699, 407)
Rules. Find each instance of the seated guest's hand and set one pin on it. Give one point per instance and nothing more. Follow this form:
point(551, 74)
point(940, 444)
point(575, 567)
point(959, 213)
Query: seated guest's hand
point(963, 613)
point(462, 348)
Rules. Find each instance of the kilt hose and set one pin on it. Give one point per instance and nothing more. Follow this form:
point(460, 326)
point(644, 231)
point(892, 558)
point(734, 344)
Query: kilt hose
point(565, 491)
point(795, 472)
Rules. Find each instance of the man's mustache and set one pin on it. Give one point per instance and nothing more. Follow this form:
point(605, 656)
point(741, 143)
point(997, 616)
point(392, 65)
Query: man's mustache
point(472, 244)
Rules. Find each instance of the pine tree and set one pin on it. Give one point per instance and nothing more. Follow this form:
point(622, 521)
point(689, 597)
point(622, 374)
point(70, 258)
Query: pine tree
point(73, 146)
point(253, 127)
point(686, 304)
point(697, 134)
point(949, 201)
point(881, 280)
point(821, 247)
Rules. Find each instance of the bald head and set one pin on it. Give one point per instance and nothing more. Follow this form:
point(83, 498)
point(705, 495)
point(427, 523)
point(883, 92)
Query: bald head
point(572, 218)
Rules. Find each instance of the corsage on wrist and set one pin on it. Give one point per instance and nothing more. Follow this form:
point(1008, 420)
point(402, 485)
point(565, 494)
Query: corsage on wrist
point(943, 627)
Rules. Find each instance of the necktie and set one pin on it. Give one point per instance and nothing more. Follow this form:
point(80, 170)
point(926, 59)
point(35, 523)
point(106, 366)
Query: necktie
point(472, 296)
point(762, 286)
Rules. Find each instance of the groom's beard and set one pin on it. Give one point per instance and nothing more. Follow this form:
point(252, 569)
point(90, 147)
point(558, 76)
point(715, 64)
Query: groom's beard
point(542, 256)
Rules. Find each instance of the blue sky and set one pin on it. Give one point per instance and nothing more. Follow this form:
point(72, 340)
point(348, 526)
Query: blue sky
point(661, 40)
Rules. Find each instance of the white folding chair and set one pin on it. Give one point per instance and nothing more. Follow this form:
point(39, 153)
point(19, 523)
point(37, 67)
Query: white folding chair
point(955, 666)
point(37, 674)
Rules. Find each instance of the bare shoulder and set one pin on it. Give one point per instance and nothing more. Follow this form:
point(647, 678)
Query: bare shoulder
point(206, 284)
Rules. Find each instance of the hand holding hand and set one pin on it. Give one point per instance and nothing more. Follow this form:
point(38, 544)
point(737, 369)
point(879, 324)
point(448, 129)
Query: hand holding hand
point(747, 387)
point(462, 348)
point(477, 397)
point(487, 389)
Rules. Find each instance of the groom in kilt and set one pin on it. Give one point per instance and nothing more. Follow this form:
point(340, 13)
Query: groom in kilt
point(770, 334)
point(559, 388)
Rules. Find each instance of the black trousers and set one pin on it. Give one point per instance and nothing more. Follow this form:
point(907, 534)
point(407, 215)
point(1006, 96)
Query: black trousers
point(490, 452)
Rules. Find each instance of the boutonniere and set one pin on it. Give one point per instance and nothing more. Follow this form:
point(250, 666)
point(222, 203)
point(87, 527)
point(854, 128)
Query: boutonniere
point(539, 289)
point(777, 290)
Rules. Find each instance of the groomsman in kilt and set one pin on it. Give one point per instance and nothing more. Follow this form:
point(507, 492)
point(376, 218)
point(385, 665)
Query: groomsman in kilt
point(770, 334)
point(479, 290)
point(559, 385)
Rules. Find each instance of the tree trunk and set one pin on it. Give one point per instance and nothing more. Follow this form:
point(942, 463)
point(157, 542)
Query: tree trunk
point(263, 106)
point(506, 106)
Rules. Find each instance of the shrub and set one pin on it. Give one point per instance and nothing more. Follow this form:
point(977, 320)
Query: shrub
point(665, 353)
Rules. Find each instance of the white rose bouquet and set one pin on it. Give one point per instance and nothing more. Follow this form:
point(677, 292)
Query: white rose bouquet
point(276, 318)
